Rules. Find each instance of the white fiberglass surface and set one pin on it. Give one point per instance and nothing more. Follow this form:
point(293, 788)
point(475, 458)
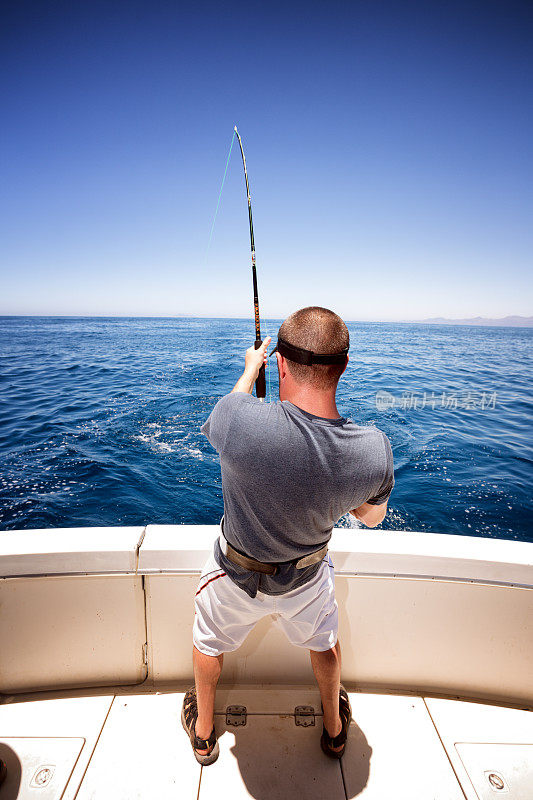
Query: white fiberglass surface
point(132, 745)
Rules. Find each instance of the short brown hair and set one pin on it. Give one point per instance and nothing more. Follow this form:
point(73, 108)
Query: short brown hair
point(322, 331)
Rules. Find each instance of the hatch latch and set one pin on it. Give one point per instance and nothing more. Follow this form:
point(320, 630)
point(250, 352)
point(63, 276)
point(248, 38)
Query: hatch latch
point(236, 715)
point(304, 716)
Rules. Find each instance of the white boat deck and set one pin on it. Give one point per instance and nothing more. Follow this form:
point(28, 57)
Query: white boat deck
point(131, 745)
point(96, 653)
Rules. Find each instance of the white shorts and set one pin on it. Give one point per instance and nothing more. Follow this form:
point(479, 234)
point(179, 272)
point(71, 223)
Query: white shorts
point(225, 614)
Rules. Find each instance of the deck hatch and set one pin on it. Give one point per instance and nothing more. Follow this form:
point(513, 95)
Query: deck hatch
point(496, 770)
point(270, 759)
point(38, 767)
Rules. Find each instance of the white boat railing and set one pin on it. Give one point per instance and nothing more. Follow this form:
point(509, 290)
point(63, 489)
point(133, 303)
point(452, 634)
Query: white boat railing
point(425, 613)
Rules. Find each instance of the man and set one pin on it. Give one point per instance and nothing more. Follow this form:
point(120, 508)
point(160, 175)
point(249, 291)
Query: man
point(290, 470)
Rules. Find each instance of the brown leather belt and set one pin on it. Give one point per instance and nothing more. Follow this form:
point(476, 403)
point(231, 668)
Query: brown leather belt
point(267, 569)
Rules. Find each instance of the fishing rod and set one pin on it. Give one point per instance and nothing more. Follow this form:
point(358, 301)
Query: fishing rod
point(260, 384)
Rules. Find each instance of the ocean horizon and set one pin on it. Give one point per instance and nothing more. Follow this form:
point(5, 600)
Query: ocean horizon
point(527, 322)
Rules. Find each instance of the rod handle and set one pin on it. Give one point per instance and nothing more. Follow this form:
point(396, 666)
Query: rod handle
point(260, 384)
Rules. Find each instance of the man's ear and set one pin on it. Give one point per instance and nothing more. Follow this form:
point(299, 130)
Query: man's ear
point(347, 359)
point(282, 365)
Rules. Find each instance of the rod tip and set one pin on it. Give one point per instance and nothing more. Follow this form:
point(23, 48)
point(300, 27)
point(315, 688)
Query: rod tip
point(235, 128)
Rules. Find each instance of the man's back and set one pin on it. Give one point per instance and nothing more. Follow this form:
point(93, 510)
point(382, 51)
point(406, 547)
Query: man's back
point(287, 476)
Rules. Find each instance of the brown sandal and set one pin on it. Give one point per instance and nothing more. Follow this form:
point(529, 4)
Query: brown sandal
point(327, 742)
point(189, 715)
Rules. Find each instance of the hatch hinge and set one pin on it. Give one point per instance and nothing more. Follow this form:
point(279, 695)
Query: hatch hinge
point(304, 716)
point(236, 715)
point(145, 653)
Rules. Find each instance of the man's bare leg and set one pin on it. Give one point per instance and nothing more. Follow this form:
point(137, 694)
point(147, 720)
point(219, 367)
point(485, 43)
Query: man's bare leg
point(207, 671)
point(327, 668)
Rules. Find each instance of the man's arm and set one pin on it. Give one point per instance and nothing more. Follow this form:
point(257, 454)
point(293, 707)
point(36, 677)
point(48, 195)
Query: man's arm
point(369, 514)
point(253, 361)
point(373, 511)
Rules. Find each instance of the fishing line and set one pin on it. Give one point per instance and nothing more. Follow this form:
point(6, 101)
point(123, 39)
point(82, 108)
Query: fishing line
point(260, 384)
point(219, 196)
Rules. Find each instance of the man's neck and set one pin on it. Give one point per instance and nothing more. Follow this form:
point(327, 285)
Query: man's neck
point(320, 404)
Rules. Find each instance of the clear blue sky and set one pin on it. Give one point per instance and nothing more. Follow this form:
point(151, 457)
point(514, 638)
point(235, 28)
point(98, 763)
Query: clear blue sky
point(389, 147)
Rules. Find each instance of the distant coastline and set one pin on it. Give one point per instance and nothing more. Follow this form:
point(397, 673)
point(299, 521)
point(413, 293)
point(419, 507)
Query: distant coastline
point(504, 322)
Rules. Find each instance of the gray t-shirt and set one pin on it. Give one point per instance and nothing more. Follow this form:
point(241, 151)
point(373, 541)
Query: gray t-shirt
point(287, 477)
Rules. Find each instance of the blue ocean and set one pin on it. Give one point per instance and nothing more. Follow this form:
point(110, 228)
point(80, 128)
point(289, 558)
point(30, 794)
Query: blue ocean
point(100, 420)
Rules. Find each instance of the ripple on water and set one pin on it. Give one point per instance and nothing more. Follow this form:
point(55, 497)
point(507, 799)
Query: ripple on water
point(100, 418)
